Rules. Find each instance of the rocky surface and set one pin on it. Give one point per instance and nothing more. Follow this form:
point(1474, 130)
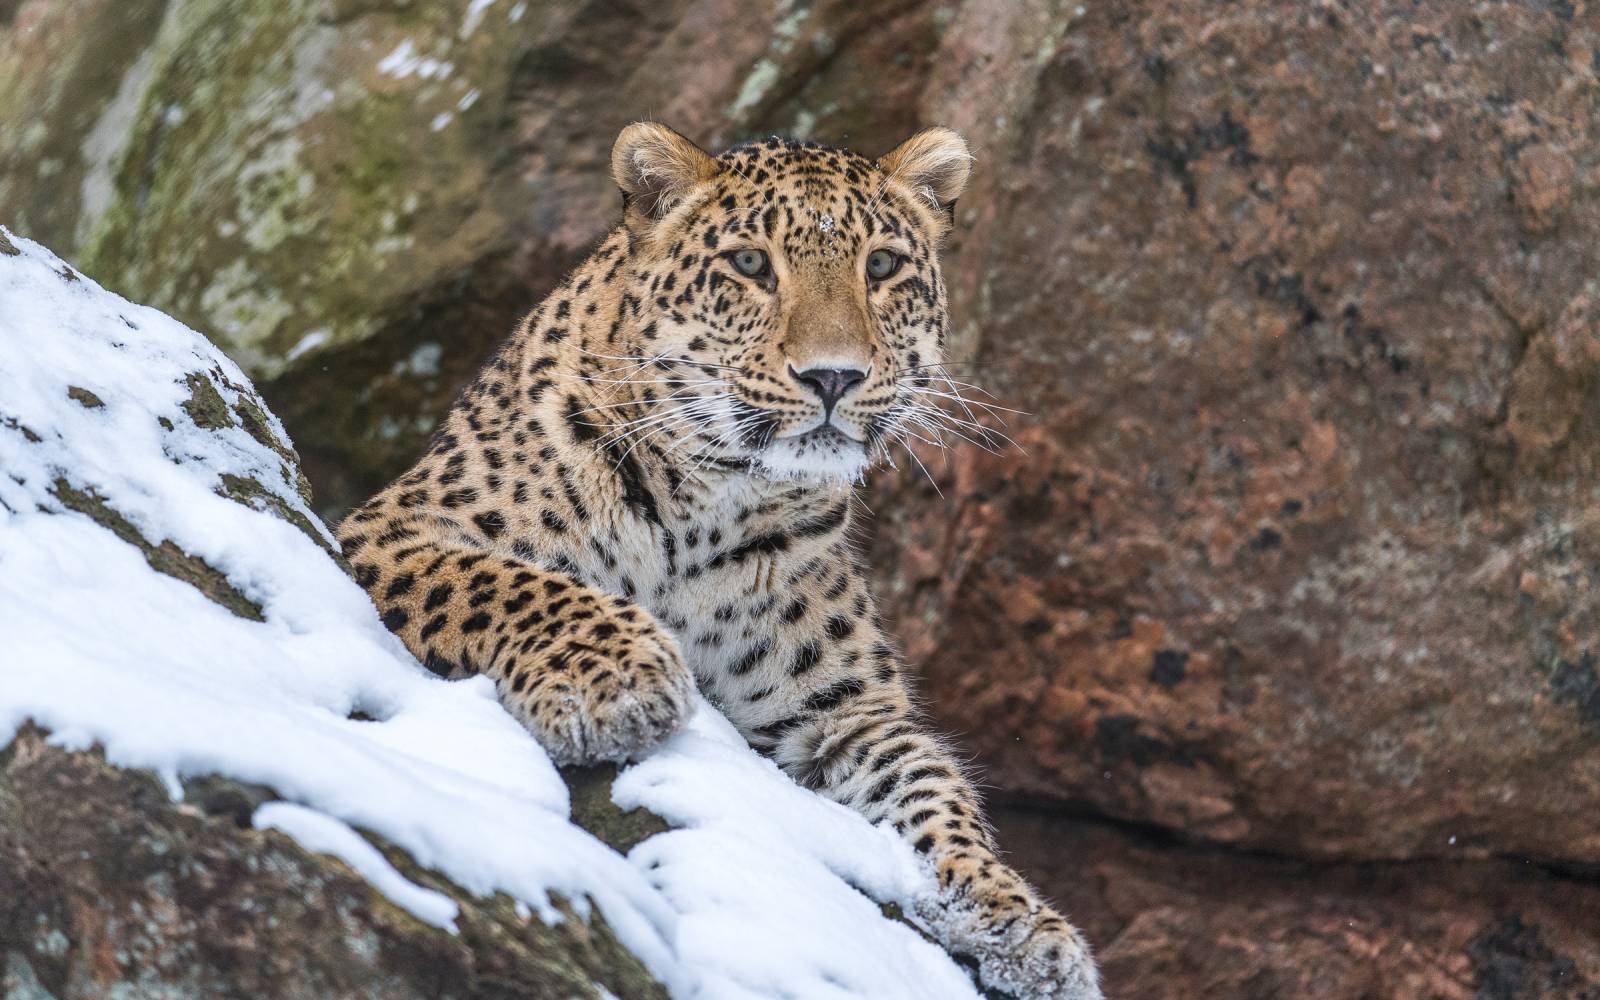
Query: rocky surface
point(1175, 921)
point(1299, 553)
point(111, 885)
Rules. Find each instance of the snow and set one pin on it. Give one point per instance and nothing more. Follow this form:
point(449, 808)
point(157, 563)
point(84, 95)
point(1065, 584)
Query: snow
point(404, 62)
point(741, 816)
point(474, 16)
point(761, 890)
point(307, 344)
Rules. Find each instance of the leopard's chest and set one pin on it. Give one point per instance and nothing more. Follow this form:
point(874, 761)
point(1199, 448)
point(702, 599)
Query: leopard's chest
point(709, 592)
point(719, 599)
point(720, 576)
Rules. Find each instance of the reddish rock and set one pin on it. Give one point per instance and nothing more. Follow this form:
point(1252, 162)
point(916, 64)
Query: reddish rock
point(1175, 923)
point(1300, 549)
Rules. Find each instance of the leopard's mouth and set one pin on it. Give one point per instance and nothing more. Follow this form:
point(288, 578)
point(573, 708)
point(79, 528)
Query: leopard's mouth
point(822, 453)
point(825, 436)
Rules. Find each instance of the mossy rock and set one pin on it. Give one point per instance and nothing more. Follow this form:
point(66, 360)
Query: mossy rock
point(163, 556)
point(109, 881)
point(251, 168)
point(592, 808)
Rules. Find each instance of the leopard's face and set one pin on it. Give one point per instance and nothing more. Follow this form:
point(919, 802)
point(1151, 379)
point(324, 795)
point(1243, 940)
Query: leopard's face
point(794, 297)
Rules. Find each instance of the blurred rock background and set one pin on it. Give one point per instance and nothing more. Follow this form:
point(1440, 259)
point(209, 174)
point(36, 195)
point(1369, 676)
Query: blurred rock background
point(1278, 641)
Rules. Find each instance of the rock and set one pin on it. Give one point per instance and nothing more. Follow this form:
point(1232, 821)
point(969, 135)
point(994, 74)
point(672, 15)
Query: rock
point(1178, 921)
point(1298, 553)
point(110, 884)
point(593, 809)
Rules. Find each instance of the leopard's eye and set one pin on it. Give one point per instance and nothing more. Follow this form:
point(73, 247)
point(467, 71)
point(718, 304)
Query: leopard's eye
point(751, 263)
point(882, 263)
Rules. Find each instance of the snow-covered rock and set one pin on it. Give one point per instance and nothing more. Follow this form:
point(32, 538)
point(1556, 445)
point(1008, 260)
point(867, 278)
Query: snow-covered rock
point(168, 596)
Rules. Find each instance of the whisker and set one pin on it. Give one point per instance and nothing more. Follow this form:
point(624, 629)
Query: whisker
point(990, 435)
point(963, 402)
point(652, 401)
point(990, 407)
point(905, 432)
point(682, 405)
point(947, 364)
point(686, 416)
point(656, 359)
point(936, 427)
point(684, 411)
point(924, 468)
point(672, 427)
point(652, 381)
point(946, 380)
point(972, 421)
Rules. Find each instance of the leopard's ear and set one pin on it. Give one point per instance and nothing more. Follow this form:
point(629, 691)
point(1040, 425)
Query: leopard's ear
point(656, 168)
point(934, 163)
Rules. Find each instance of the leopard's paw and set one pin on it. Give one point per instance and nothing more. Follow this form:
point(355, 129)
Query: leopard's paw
point(1022, 947)
point(611, 689)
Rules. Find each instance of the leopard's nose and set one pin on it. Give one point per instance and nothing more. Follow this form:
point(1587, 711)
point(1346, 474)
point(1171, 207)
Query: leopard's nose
point(829, 384)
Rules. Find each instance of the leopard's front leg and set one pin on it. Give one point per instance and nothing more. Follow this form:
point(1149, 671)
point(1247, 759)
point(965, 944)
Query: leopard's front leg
point(850, 733)
point(591, 675)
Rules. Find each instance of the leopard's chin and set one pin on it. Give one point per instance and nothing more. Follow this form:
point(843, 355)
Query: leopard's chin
point(818, 456)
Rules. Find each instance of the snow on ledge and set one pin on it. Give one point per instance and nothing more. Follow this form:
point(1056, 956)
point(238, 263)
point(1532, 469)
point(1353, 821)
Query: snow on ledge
point(754, 894)
point(316, 831)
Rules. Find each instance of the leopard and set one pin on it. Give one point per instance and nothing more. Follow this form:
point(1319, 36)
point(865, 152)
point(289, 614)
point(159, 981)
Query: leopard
point(652, 489)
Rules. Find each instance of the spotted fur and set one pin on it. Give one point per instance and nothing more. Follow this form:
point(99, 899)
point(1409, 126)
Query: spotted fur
point(650, 486)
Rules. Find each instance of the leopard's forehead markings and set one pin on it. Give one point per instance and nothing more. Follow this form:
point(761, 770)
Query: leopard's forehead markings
point(825, 197)
point(809, 166)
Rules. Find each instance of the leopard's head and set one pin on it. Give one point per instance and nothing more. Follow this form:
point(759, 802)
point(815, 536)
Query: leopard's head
point(788, 294)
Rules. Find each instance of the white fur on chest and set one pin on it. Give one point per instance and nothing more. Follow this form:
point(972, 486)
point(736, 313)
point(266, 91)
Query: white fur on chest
point(718, 608)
